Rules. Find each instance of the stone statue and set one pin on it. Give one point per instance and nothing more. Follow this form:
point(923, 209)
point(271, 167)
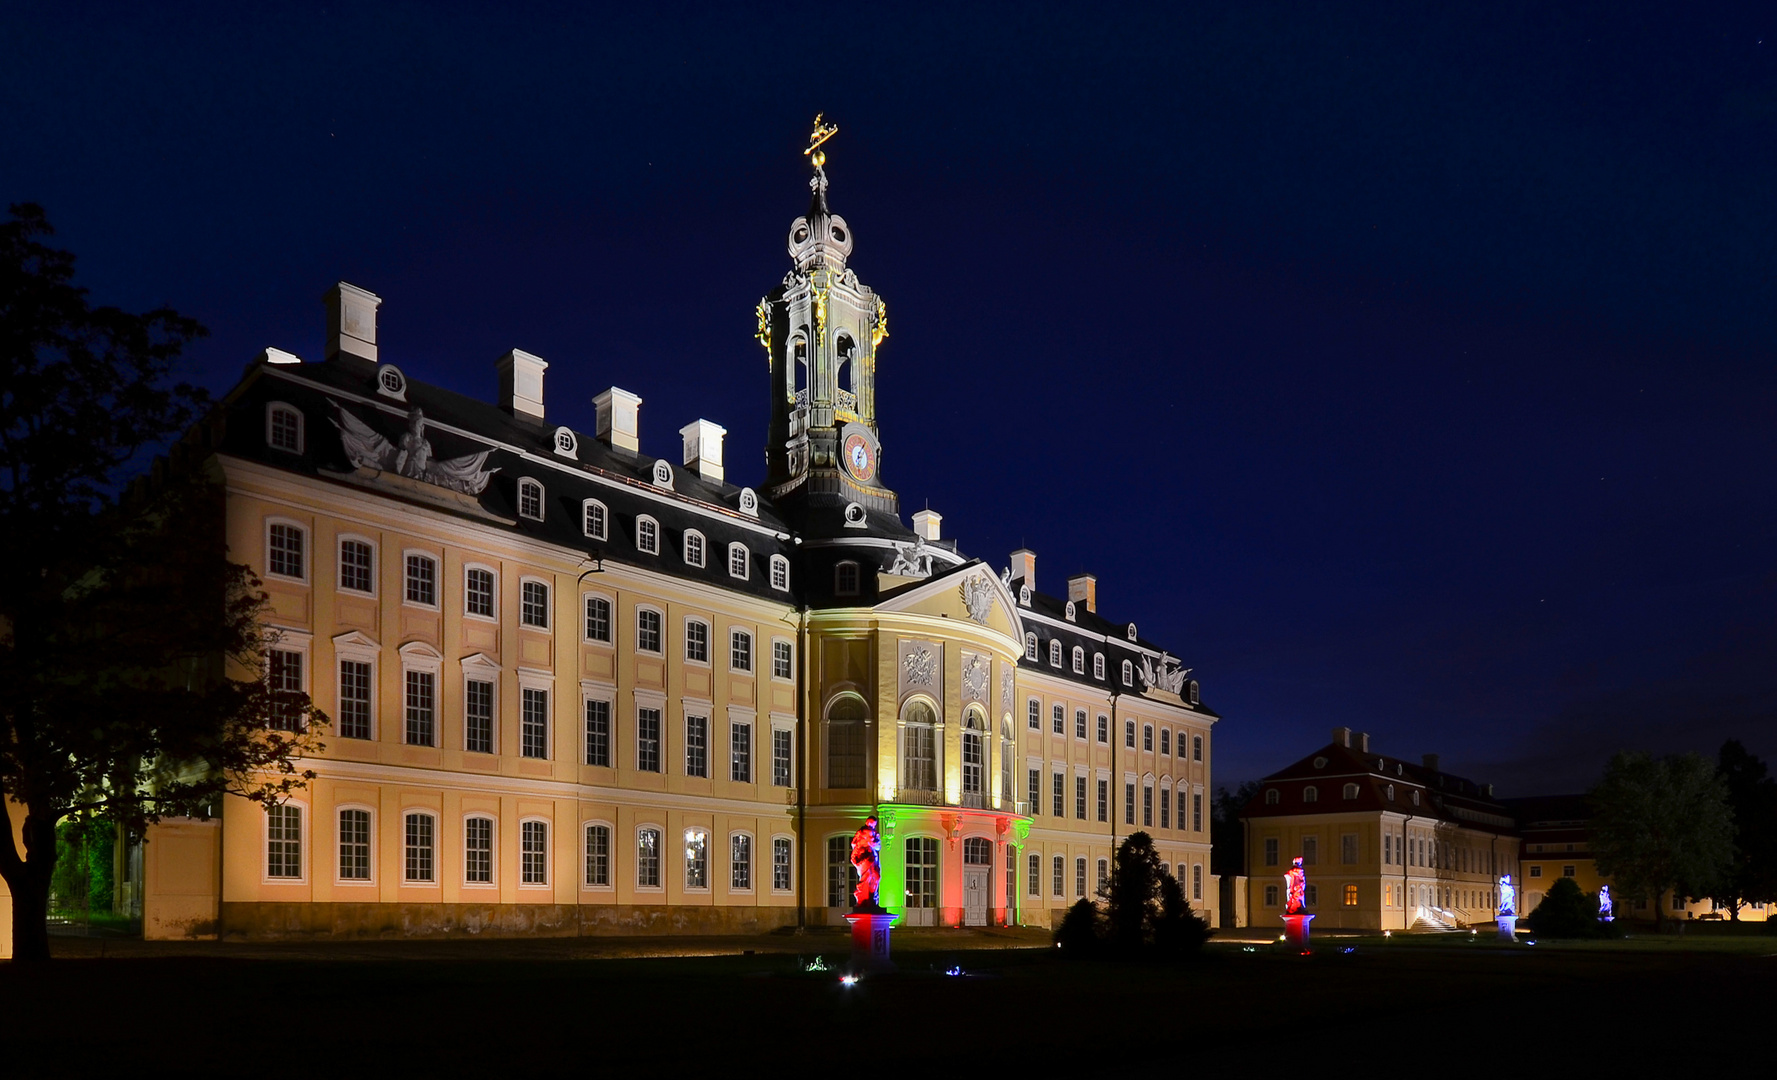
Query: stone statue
point(367, 449)
point(1508, 896)
point(1605, 908)
point(866, 858)
point(1295, 884)
point(912, 560)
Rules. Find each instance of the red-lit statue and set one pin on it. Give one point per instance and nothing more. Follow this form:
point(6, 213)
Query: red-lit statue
point(1295, 888)
point(866, 858)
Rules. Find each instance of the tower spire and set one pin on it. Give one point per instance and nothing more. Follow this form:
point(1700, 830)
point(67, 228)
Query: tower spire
point(818, 158)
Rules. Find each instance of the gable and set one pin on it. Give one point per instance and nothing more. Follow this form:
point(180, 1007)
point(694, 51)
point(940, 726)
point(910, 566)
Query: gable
point(970, 594)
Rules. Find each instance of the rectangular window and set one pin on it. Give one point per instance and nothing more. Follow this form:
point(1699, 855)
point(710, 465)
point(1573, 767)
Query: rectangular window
point(1033, 875)
point(1034, 710)
point(647, 631)
point(285, 557)
point(598, 856)
point(1058, 873)
point(740, 753)
point(417, 863)
point(530, 500)
point(1035, 789)
point(598, 619)
point(1147, 737)
point(1080, 876)
point(780, 757)
point(1270, 896)
point(534, 605)
point(354, 699)
point(697, 859)
point(648, 740)
point(1058, 718)
point(1104, 875)
point(740, 862)
point(598, 733)
point(781, 664)
point(283, 841)
point(842, 877)
point(1311, 894)
point(478, 851)
point(478, 717)
point(648, 859)
point(422, 698)
point(1129, 734)
point(1166, 742)
point(1147, 807)
point(533, 862)
point(422, 580)
point(1348, 849)
point(1080, 797)
point(922, 872)
point(1104, 729)
point(1079, 723)
point(356, 566)
point(780, 864)
point(1271, 852)
point(740, 650)
point(1196, 881)
point(284, 679)
point(697, 642)
point(286, 430)
point(697, 746)
point(1196, 748)
point(354, 845)
point(1056, 794)
point(1166, 808)
point(478, 593)
point(1310, 851)
point(1129, 804)
point(534, 732)
point(1196, 813)
point(1104, 800)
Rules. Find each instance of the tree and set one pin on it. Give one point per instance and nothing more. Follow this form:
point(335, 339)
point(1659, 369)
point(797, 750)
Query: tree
point(1079, 933)
point(1227, 854)
point(1132, 901)
point(130, 647)
point(1752, 795)
point(1661, 824)
point(1565, 912)
point(1178, 930)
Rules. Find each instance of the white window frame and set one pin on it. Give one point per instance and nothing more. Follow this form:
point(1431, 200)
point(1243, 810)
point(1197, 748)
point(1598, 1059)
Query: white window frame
point(548, 624)
point(1079, 660)
point(610, 828)
point(338, 879)
point(751, 888)
point(1098, 665)
point(437, 833)
point(478, 668)
point(548, 881)
point(533, 488)
point(791, 647)
point(780, 573)
point(586, 599)
point(752, 653)
point(659, 832)
point(790, 841)
point(604, 519)
point(747, 718)
point(437, 579)
point(543, 680)
point(784, 724)
point(272, 409)
point(307, 557)
point(486, 569)
point(304, 841)
point(646, 544)
point(740, 561)
point(300, 642)
point(1030, 648)
point(686, 864)
point(695, 549)
point(420, 657)
point(357, 648)
point(493, 848)
point(660, 645)
point(339, 543)
point(685, 633)
point(590, 692)
point(1055, 652)
point(1128, 673)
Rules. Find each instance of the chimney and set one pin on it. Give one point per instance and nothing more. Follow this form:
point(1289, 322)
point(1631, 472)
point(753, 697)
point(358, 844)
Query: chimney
point(703, 448)
point(1024, 566)
point(1487, 790)
point(521, 383)
point(1341, 736)
point(351, 321)
point(1431, 762)
point(926, 522)
point(279, 356)
point(1363, 742)
point(1083, 589)
point(617, 411)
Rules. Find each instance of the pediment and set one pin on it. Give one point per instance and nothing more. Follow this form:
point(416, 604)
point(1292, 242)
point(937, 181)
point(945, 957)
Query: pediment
point(972, 593)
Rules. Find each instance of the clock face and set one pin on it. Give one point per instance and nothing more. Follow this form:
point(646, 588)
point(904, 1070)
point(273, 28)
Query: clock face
point(860, 461)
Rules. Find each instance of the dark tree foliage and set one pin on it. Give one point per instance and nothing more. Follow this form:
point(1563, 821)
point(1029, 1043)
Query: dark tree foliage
point(1227, 854)
point(1178, 931)
point(1080, 934)
point(1752, 796)
point(1566, 912)
point(130, 647)
point(1661, 824)
point(1133, 900)
point(1145, 912)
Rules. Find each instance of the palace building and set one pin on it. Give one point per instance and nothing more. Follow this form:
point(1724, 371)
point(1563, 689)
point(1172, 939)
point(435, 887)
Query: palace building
point(577, 689)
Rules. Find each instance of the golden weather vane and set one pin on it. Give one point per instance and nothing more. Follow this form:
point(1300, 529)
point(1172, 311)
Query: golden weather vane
point(822, 132)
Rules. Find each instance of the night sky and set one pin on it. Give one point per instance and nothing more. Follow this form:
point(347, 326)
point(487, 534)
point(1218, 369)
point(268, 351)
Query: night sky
point(1398, 369)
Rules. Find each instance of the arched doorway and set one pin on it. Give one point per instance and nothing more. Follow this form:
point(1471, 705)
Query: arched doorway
point(977, 880)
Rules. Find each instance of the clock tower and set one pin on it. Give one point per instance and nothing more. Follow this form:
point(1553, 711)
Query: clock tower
point(821, 327)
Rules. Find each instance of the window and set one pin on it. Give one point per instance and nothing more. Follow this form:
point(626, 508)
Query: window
point(1415, 798)
point(740, 562)
point(780, 864)
point(1310, 794)
point(534, 605)
point(1271, 796)
point(1351, 791)
point(1104, 875)
point(919, 768)
point(1080, 724)
point(1536, 871)
point(697, 745)
point(284, 551)
point(283, 841)
point(693, 548)
point(1058, 871)
point(598, 732)
point(845, 742)
point(1034, 709)
point(922, 872)
point(1351, 896)
point(1054, 653)
point(1034, 788)
point(1270, 896)
point(354, 698)
point(418, 851)
point(697, 641)
point(1390, 793)
point(740, 753)
point(1104, 800)
point(533, 853)
point(1196, 881)
point(697, 859)
point(740, 650)
point(647, 630)
point(842, 876)
point(422, 580)
point(1147, 737)
point(283, 428)
point(592, 519)
point(357, 566)
point(845, 579)
point(598, 619)
point(530, 499)
point(1069, 611)
point(1056, 782)
point(782, 660)
point(647, 535)
point(1166, 741)
point(780, 573)
point(648, 740)
point(478, 592)
point(1311, 851)
point(1165, 807)
point(534, 723)
point(284, 680)
point(1128, 673)
point(1196, 812)
point(1058, 718)
point(1033, 876)
point(647, 858)
point(1104, 729)
point(1080, 876)
point(1080, 797)
point(740, 862)
point(478, 716)
point(1147, 806)
point(1567, 871)
point(354, 845)
point(1129, 802)
point(780, 757)
point(1311, 895)
point(1079, 660)
point(1271, 851)
point(1098, 665)
point(1196, 748)
point(1129, 734)
point(422, 701)
point(598, 856)
point(1030, 647)
point(478, 850)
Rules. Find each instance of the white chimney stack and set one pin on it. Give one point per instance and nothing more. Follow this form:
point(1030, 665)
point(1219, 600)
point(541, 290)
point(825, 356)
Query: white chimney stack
point(926, 523)
point(618, 410)
point(351, 321)
point(521, 383)
point(1024, 566)
point(703, 448)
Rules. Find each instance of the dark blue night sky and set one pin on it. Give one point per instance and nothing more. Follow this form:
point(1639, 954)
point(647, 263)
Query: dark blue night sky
point(1401, 369)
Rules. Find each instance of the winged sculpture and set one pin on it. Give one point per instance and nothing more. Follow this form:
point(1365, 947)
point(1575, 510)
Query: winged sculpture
point(1163, 676)
point(412, 457)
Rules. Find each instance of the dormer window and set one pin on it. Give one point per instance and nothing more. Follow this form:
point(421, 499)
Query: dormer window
point(663, 474)
point(1131, 631)
point(693, 548)
point(647, 535)
point(592, 518)
point(1351, 791)
point(845, 579)
point(1320, 762)
point(780, 573)
point(283, 427)
point(749, 502)
point(1416, 798)
point(1070, 611)
point(391, 383)
point(1024, 596)
point(530, 499)
point(1193, 691)
point(1271, 797)
point(565, 443)
point(1079, 660)
point(1128, 673)
point(1030, 647)
point(1054, 653)
point(1310, 794)
point(740, 562)
point(1098, 665)
point(1391, 793)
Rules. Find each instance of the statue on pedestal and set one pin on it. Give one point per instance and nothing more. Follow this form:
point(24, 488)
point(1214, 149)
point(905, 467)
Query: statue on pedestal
point(1295, 889)
point(1508, 896)
point(866, 858)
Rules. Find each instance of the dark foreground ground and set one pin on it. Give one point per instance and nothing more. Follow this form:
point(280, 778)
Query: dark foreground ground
point(501, 1008)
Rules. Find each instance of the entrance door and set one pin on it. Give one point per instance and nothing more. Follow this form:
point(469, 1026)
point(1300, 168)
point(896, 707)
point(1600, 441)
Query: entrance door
point(977, 880)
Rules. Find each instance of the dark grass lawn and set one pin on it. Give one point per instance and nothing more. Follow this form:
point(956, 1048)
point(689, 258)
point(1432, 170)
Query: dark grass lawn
point(503, 1009)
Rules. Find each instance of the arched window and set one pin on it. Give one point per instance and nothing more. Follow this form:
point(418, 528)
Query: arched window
point(1271, 798)
point(974, 757)
point(647, 535)
point(1054, 653)
point(1391, 793)
point(592, 518)
point(286, 546)
point(780, 573)
point(1070, 611)
point(740, 561)
point(1128, 673)
point(919, 750)
point(845, 741)
point(1079, 660)
point(845, 579)
point(283, 841)
point(1310, 794)
point(1193, 691)
point(530, 499)
point(1030, 647)
point(693, 548)
point(283, 427)
point(1351, 791)
point(1098, 665)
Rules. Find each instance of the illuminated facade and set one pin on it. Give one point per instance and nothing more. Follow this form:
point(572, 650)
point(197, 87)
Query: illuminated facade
point(578, 689)
point(1386, 844)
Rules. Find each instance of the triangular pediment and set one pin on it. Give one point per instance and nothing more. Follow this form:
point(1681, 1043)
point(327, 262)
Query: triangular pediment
point(971, 593)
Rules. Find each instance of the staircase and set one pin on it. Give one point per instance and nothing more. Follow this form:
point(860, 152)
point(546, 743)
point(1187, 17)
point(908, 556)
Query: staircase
point(1435, 920)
